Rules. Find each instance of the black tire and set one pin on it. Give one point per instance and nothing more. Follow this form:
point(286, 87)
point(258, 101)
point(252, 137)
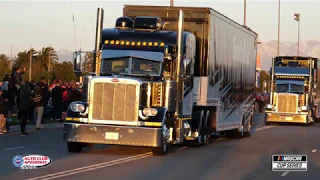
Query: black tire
point(164, 148)
point(250, 125)
point(205, 129)
point(199, 141)
point(265, 120)
point(74, 147)
point(238, 134)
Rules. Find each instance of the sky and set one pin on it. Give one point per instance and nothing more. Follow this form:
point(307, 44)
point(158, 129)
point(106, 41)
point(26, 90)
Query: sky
point(42, 23)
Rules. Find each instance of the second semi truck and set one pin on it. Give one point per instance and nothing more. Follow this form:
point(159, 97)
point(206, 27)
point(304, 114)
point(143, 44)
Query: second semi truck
point(165, 75)
point(294, 90)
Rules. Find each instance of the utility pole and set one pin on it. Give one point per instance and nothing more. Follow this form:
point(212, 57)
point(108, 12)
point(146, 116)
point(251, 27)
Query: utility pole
point(171, 3)
point(30, 63)
point(297, 18)
point(49, 63)
point(11, 60)
point(245, 13)
point(278, 48)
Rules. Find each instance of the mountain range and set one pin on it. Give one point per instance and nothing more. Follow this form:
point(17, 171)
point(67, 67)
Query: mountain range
point(267, 50)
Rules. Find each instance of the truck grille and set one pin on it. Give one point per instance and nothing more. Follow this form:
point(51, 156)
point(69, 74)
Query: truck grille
point(113, 101)
point(287, 103)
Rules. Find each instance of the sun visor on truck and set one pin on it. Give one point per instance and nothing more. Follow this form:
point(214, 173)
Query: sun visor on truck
point(291, 71)
point(301, 82)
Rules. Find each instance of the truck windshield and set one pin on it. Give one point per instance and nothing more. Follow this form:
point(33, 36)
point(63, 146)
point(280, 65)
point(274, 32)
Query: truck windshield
point(131, 66)
point(290, 88)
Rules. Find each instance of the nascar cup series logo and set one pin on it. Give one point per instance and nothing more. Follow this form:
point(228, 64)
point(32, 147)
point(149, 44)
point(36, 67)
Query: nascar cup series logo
point(31, 161)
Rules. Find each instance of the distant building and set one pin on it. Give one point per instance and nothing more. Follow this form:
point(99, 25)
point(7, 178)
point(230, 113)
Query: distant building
point(258, 63)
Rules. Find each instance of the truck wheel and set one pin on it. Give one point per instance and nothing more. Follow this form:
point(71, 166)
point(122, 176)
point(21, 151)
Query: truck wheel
point(250, 123)
point(265, 120)
point(196, 125)
point(205, 129)
point(239, 134)
point(74, 147)
point(164, 148)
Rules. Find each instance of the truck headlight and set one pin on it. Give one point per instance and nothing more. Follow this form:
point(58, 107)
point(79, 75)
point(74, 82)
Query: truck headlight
point(304, 108)
point(77, 107)
point(149, 111)
point(270, 106)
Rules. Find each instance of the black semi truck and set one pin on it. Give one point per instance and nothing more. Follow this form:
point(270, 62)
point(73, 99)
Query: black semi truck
point(165, 75)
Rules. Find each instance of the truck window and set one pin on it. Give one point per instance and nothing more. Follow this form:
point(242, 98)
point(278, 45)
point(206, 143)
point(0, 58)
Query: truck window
point(142, 66)
point(138, 66)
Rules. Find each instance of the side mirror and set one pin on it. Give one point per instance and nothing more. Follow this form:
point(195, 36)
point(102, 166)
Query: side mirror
point(265, 86)
point(77, 61)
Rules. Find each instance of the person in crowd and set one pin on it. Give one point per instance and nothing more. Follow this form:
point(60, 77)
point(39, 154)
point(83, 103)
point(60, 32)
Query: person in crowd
point(38, 102)
point(31, 114)
point(3, 108)
point(17, 79)
point(24, 106)
point(45, 95)
point(57, 100)
point(9, 93)
point(74, 94)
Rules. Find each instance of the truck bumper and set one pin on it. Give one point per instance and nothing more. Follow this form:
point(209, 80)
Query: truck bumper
point(288, 118)
point(110, 134)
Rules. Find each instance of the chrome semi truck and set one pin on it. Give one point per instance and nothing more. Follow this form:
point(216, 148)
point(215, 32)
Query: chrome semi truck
point(165, 75)
point(294, 93)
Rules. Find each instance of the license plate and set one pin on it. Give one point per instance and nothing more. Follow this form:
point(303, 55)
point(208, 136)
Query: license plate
point(112, 135)
point(289, 118)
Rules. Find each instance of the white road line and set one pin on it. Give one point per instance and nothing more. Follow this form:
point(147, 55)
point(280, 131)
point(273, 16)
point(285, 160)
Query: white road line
point(91, 167)
point(285, 173)
point(8, 149)
point(107, 164)
point(95, 166)
point(263, 128)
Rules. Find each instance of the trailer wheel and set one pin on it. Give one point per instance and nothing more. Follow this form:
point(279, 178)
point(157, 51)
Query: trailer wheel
point(250, 124)
point(205, 129)
point(74, 147)
point(164, 148)
point(239, 134)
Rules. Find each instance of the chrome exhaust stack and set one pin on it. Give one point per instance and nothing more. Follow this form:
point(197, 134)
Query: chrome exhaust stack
point(97, 51)
point(180, 47)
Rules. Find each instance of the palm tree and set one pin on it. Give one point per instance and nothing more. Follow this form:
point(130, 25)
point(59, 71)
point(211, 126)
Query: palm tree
point(23, 58)
point(48, 56)
point(4, 65)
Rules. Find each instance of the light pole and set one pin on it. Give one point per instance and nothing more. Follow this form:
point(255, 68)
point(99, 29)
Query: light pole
point(297, 18)
point(278, 48)
point(245, 13)
point(30, 62)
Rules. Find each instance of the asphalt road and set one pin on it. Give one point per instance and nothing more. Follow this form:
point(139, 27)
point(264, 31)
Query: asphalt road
point(247, 158)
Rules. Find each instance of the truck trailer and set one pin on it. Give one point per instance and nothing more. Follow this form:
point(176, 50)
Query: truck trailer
point(163, 76)
point(294, 94)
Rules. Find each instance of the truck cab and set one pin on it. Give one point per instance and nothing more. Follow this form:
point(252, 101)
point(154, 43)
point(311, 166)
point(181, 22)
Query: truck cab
point(292, 90)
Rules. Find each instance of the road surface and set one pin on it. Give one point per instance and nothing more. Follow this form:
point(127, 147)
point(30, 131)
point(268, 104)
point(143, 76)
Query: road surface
point(247, 158)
